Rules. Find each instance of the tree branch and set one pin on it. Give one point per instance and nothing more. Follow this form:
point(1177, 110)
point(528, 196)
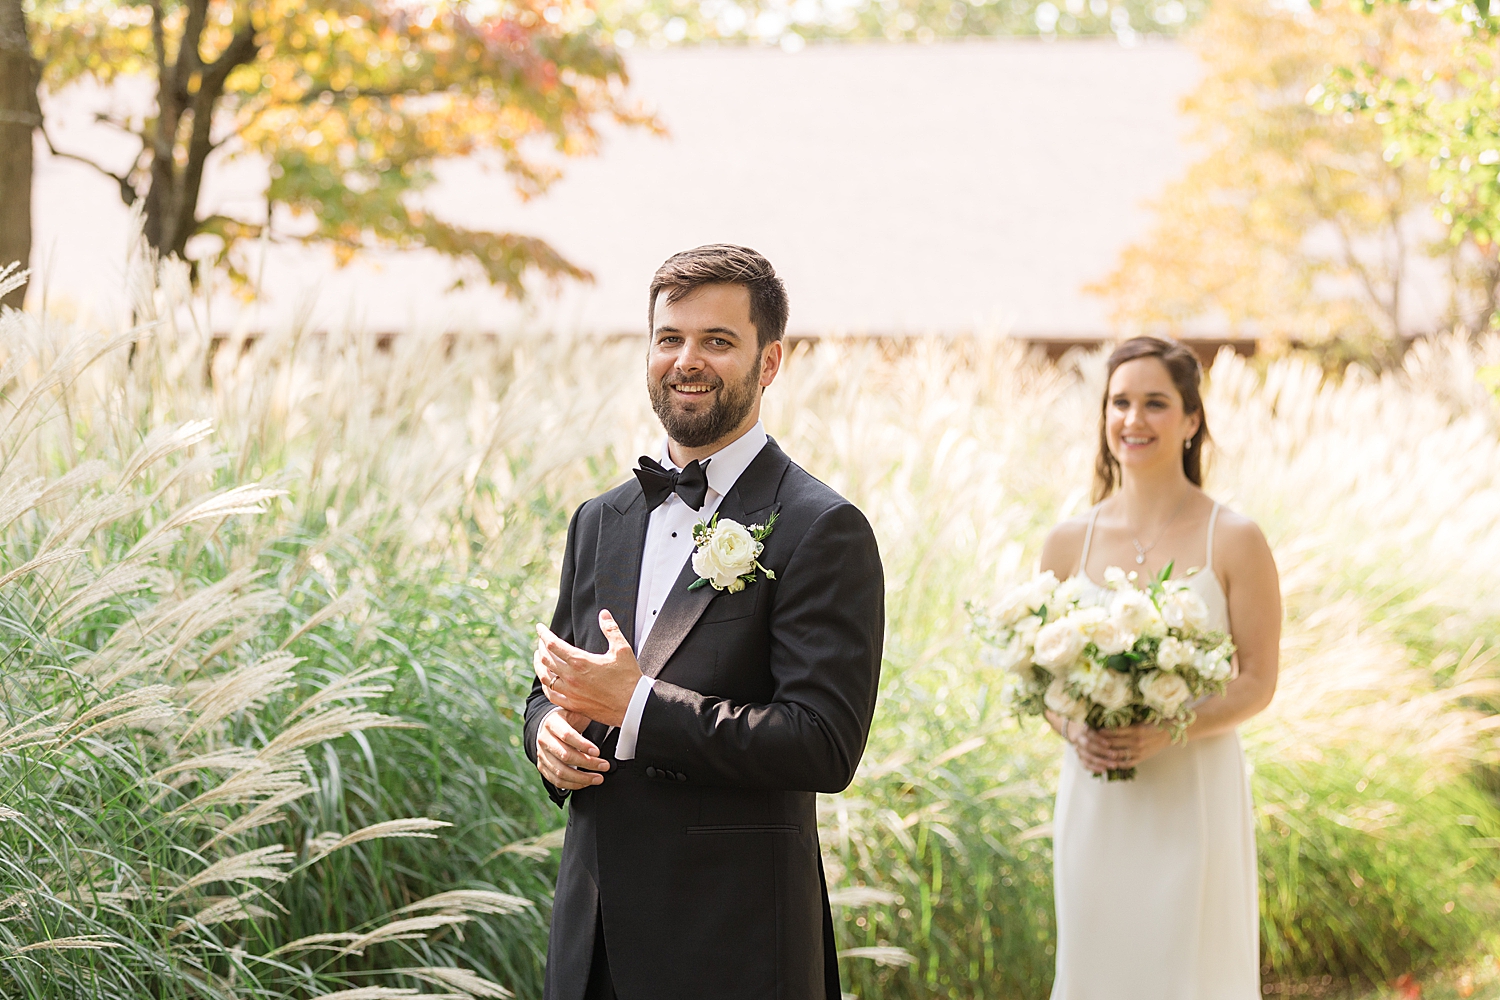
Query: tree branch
point(127, 190)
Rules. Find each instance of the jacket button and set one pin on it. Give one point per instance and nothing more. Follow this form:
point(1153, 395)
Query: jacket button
point(651, 772)
point(680, 776)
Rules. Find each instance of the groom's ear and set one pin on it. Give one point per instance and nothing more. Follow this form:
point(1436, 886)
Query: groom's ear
point(770, 363)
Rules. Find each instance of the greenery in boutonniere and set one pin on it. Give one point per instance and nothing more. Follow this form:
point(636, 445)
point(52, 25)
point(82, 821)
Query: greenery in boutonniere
point(728, 553)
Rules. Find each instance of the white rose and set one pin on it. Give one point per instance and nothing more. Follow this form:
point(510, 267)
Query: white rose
point(1164, 692)
point(1059, 644)
point(1134, 612)
point(1025, 599)
point(1112, 690)
point(1111, 638)
point(1067, 593)
point(1087, 619)
point(728, 554)
point(1183, 609)
point(1175, 653)
point(1061, 701)
point(1114, 576)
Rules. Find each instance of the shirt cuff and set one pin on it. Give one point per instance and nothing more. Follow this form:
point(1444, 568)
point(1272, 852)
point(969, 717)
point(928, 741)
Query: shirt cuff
point(630, 728)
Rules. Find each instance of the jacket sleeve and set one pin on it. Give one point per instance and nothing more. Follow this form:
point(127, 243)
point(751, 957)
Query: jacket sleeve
point(537, 705)
point(827, 626)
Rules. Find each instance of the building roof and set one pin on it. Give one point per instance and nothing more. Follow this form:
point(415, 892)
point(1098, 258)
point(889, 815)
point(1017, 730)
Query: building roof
point(954, 187)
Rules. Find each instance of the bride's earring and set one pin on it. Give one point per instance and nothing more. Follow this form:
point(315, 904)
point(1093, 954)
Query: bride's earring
point(1186, 445)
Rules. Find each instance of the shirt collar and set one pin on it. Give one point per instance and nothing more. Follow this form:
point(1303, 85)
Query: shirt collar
point(730, 461)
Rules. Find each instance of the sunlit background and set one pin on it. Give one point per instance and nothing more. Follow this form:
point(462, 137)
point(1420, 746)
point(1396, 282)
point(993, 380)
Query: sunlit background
point(335, 312)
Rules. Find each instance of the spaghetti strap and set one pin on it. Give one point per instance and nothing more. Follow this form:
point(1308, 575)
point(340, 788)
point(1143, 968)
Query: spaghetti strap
point(1088, 539)
point(1208, 560)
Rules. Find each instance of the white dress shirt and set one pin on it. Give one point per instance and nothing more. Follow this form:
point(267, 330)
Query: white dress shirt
point(669, 545)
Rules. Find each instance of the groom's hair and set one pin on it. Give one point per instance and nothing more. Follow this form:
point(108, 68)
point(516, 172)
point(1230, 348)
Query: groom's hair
point(725, 264)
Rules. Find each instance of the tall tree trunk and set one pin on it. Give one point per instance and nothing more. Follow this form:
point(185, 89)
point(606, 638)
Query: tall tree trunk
point(19, 117)
point(188, 94)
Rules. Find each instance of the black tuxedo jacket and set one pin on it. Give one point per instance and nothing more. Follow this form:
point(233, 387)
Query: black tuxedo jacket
point(699, 858)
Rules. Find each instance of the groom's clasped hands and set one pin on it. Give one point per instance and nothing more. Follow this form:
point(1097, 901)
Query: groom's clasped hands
point(586, 687)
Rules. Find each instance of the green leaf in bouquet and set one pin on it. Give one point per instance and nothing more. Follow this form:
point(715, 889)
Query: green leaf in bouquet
point(1121, 662)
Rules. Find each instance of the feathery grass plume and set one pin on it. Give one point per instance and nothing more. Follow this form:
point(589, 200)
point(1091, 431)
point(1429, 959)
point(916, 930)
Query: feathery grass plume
point(342, 604)
point(327, 843)
point(370, 993)
point(153, 694)
point(408, 929)
point(881, 956)
point(92, 942)
point(222, 910)
point(862, 895)
point(40, 562)
point(470, 901)
point(265, 813)
point(160, 443)
point(331, 941)
point(250, 784)
point(7, 813)
point(355, 686)
point(239, 689)
point(467, 982)
point(125, 578)
point(227, 759)
point(536, 848)
point(326, 725)
point(261, 862)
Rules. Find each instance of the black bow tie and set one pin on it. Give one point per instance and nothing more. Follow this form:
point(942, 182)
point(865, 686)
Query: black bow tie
point(659, 483)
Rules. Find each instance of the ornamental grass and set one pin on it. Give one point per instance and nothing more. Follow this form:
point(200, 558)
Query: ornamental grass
point(267, 608)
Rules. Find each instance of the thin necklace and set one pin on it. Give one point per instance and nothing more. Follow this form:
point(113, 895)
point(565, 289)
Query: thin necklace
point(1140, 552)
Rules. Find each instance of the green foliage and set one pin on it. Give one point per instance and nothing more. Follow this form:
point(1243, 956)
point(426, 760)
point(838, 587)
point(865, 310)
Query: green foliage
point(348, 105)
point(1340, 841)
point(428, 492)
point(1442, 111)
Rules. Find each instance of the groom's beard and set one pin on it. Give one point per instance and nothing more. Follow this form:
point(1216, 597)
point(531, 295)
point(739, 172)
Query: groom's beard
point(732, 403)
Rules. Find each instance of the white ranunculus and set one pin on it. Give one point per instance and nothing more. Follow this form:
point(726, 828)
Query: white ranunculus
point(728, 554)
point(1164, 692)
point(1112, 690)
point(1134, 612)
point(1059, 644)
point(1184, 609)
point(1175, 653)
point(1114, 576)
point(1061, 701)
point(1111, 638)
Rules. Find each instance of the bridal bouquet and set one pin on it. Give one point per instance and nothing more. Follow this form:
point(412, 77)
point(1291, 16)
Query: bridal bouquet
point(1124, 657)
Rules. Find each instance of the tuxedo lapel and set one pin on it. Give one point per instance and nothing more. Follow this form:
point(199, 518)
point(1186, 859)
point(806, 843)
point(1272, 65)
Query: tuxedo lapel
point(751, 497)
point(622, 540)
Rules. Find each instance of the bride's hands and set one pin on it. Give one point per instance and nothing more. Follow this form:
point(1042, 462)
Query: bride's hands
point(1101, 750)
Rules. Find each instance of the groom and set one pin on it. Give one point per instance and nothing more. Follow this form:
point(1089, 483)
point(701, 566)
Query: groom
point(691, 723)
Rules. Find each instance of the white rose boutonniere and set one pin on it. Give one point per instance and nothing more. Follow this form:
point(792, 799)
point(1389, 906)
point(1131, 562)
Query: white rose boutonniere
point(728, 553)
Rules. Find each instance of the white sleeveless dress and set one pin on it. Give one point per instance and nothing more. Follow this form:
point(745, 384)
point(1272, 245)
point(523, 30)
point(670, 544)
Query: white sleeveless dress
point(1155, 879)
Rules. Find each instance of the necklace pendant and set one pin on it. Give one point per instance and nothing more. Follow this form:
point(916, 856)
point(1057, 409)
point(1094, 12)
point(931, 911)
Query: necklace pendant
point(1140, 560)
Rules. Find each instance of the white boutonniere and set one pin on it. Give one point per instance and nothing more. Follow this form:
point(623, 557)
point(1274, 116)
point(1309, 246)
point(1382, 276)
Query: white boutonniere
point(728, 553)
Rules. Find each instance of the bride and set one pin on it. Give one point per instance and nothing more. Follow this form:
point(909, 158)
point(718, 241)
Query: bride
point(1155, 878)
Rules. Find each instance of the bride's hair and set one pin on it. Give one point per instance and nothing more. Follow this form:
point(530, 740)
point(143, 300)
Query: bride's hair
point(1187, 372)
